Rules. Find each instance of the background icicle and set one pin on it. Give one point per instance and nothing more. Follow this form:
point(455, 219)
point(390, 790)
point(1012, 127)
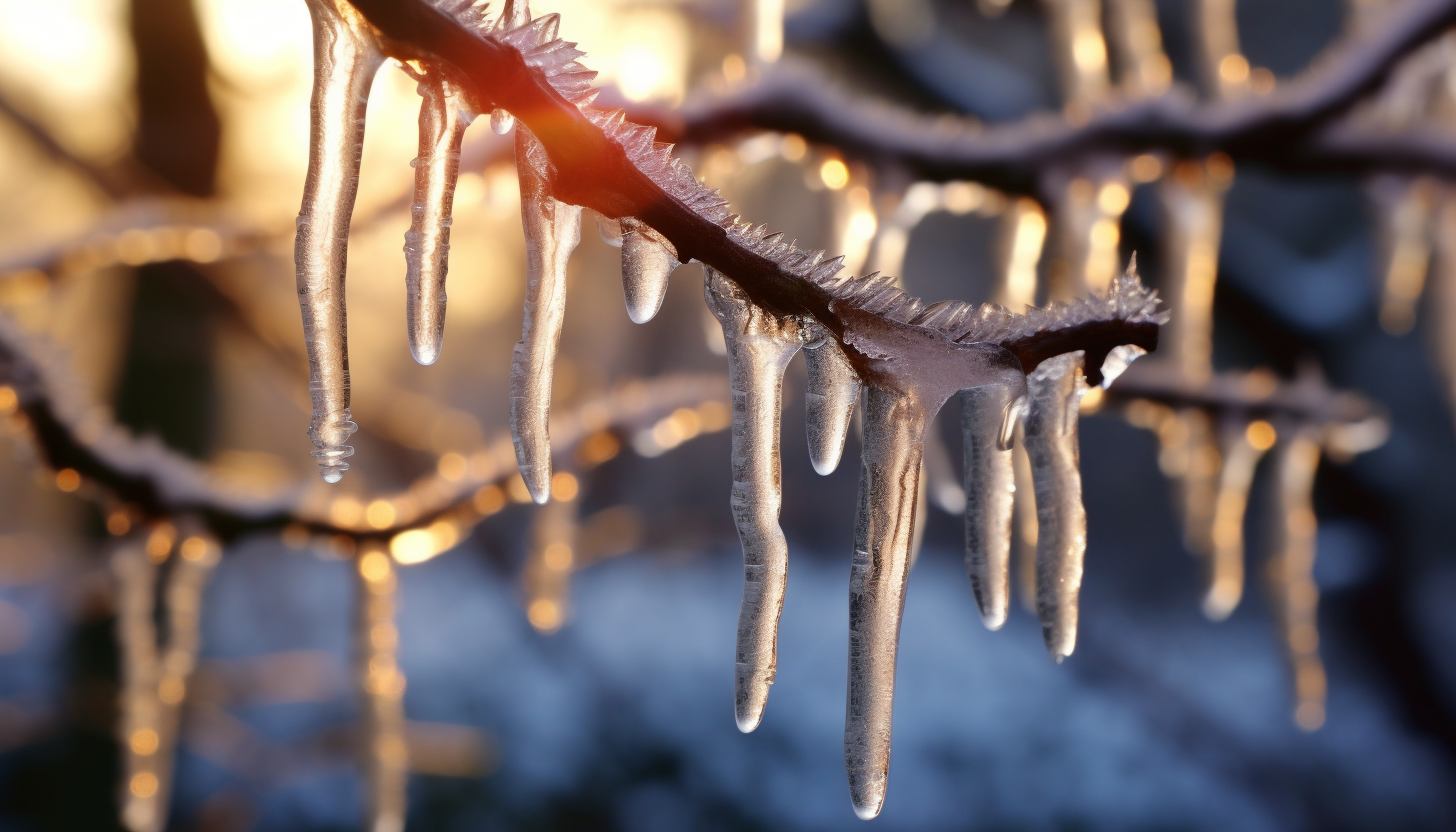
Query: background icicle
point(384, 745)
point(1291, 570)
point(760, 346)
point(553, 229)
point(990, 487)
point(1054, 392)
point(346, 56)
point(647, 262)
point(1243, 447)
point(443, 119)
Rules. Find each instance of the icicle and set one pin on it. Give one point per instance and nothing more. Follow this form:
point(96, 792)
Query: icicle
point(1023, 518)
point(517, 13)
point(553, 229)
point(443, 119)
point(346, 57)
point(1291, 571)
point(990, 492)
point(382, 684)
point(648, 260)
point(1406, 219)
point(1243, 446)
point(894, 427)
point(760, 346)
point(1054, 391)
point(610, 231)
point(833, 389)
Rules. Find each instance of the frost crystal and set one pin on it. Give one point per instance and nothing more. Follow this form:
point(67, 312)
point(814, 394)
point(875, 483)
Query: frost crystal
point(553, 229)
point(443, 119)
point(760, 346)
point(346, 56)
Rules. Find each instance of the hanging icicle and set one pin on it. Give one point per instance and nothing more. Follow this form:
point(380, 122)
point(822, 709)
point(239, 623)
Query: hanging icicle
point(444, 115)
point(1291, 570)
point(760, 346)
point(346, 57)
point(833, 389)
point(376, 644)
point(515, 15)
point(648, 260)
point(553, 228)
point(1054, 392)
point(988, 418)
point(1243, 447)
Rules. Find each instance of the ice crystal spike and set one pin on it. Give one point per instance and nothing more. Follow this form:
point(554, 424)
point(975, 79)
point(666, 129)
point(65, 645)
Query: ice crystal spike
point(889, 483)
point(443, 119)
point(830, 398)
point(346, 56)
point(553, 229)
point(648, 260)
point(1054, 392)
point(760, 346)
point(990, 485)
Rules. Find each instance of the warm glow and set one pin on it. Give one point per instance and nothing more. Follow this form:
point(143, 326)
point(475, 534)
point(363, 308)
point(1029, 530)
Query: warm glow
point(1113, 198)
point(68, 479)
point(1146, 168)
point(144, 742)
point(346, 512)
point(374, 567)
point(451, 467)
point(1261, 435)
point(1234, 69)
point(793, 147)
point(557, 556)
point(8, 400)
point(834, 173)
point(193, 549)
point(380, 514)
point(564, 486)
point(489, 500)
point(544, 614)
point(144, 784)
point(517, 489)
point(413, 546)
point(118, 523)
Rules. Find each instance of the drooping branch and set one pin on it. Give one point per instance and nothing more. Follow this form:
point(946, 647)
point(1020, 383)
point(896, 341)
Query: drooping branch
point(1297, 128)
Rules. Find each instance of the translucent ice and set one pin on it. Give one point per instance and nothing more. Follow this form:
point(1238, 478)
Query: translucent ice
point(1054, 392)
point(443, 119)
point(514, 15)
point(346, 57)
point(990, 491)
point(647, 262)
point(553, 229)
point(760, 346)
point(1226, 564)
point(833, 389)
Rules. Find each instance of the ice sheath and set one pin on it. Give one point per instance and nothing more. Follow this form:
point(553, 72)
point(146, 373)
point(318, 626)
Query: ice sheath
point(553, 228)
point(760, 346)
point(443, 119)
point(1054, 394)
point(346, 57)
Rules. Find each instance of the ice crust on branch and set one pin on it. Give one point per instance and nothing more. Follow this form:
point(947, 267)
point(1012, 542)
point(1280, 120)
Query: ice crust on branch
point(772, 298)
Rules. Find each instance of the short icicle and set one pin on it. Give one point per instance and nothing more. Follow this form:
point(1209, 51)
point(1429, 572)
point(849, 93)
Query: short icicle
point(346, 57)
point(760, 346)
point(648, 260)
point(894, 443)
point(990, 482)
point(514, 15)
point(832, 392)
point(553, 228)
point(443, 119)
point(1054, 393)
point(1243, 447)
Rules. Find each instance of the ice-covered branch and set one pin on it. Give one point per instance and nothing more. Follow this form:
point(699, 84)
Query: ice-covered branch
point(1298, 127)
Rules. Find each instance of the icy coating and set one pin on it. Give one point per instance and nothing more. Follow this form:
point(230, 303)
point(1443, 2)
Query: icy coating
point(553, 229)
point(990, 487)
point(346, 56)
point(648, 260)
point(1054, 393)
point(760, 346)
point(830, 397)
point(443, 119)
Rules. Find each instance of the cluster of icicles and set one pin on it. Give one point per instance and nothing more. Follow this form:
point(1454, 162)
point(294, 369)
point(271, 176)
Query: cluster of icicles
point(1001, 402)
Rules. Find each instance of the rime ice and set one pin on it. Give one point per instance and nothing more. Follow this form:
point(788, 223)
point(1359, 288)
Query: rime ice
point(443, 119)
point(553, 229)
point(760, 346)
point(346, 56)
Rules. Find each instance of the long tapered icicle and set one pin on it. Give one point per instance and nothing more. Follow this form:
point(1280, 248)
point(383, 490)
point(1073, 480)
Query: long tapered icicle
point(1054, 392)
point(346, 57)
point(1291, 570)
point(648, 260)
point(990, 484)
point(760, 346)
point(894, 427)
point(832, 391)
point(553, 228)
point(443, 119)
